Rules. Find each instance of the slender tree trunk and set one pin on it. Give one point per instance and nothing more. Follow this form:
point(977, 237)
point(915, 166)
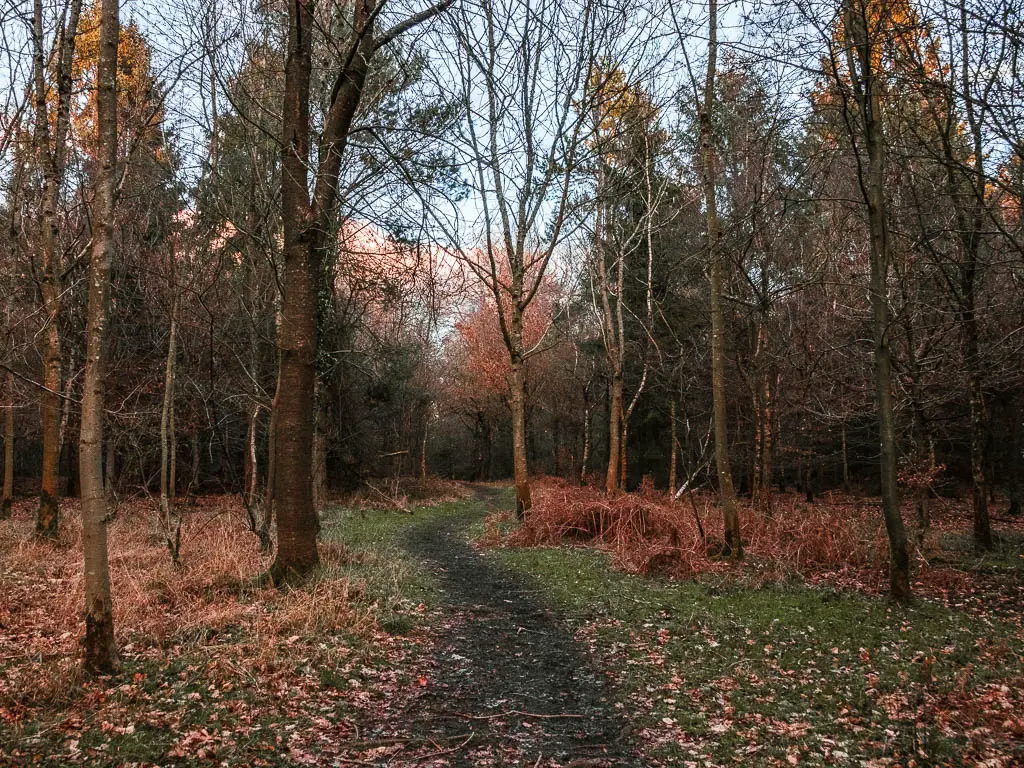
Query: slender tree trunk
point(979, 420)
point(99, 649)
point(110, 466)
point(517, 398)
point(270, 493)
point(1016, 489)
point(899, 568)
point(170, 521)
point(624, 453)
point(768, 447)
point(51, 160)
point(673, 461)
point(517, 401)
point(761, 490)
point(620, 294)
point(193, 482)
point(319, 457)
point(727, 493)
point(423, 448)
point(861, 56)
point(970, 235)
point(249, 467)
point(8, 493)
point(846, 462)
point(48, 516)
point(614, 433)
point(586, 436)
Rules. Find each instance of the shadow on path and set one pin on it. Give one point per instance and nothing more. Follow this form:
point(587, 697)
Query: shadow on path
point(506, 667)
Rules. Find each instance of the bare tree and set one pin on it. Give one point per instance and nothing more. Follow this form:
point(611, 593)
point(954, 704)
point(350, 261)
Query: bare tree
point(51, 157)
point(863, 30)
point(523, 69)
point(717, 263)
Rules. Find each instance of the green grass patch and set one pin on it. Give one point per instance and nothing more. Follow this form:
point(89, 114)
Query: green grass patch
point(720, 671)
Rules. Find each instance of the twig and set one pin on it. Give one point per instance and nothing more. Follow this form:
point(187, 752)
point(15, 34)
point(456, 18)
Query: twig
point(518, 712)
point(430, 755)
point(360, 746)
point(394, 501)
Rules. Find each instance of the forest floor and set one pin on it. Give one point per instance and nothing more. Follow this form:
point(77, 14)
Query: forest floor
point(444, 652)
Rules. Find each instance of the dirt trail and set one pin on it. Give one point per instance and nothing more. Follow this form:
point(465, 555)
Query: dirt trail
point(503, 652)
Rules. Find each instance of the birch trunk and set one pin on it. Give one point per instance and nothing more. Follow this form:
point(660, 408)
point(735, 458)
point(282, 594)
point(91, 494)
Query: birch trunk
point(846, 463)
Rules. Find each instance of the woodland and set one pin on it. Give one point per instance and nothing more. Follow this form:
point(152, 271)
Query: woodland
point(512, 382)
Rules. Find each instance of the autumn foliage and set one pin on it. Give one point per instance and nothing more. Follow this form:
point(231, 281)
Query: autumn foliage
point(478, 345)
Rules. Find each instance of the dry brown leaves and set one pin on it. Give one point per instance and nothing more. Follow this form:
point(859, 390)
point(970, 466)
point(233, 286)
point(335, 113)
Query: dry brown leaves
point(216, 588)
point(838, 538)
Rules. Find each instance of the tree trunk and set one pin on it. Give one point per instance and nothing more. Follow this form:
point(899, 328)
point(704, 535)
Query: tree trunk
point(319, 472)
point(99, 649)
point(110, 466)
point(517, 401)
point(761, 487)
point(1016, 467)
point(307, 221)
point(423, 448)
point(8, 493)
point(270, 492)
point(614, 433)
point(297, 551)
point(170, 520)
point(48, 516)
point(51, 160)
point(861, 54)
point(846, 463)
point(673, 460)
point(624, 453)
point(585, 458)
point(982, 524)
point(193, 482)
point(251, 464)
point(296, 516)
point(733, 546)
point(970, 236)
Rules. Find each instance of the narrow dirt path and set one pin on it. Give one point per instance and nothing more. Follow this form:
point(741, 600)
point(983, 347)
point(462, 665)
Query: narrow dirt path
point(506, 669)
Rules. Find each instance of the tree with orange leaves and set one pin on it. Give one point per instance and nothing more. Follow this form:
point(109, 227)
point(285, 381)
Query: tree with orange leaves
point(140, 108)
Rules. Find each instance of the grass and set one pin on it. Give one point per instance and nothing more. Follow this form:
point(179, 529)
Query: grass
point(719, 671)
point(394, 580)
